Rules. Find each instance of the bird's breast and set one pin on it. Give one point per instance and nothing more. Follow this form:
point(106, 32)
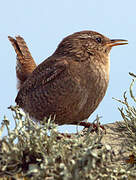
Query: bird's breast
point(92, 86)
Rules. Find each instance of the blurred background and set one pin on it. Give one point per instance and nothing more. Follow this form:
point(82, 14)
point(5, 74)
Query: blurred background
point(43, 24)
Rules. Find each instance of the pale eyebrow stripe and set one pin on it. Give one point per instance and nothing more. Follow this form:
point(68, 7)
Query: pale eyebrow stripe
point(84, 36)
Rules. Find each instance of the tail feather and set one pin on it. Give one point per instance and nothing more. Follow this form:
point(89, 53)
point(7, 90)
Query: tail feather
point(25, 63)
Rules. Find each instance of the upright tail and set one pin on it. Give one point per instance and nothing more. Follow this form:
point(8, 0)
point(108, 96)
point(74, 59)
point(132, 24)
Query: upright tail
point(25, 64)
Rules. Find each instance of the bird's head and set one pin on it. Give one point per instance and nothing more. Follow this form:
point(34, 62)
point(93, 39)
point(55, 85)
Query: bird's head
point(87, 43)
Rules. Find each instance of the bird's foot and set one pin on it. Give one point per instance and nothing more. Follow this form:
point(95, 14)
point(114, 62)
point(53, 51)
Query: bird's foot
point(95, 126)
point(66, 135)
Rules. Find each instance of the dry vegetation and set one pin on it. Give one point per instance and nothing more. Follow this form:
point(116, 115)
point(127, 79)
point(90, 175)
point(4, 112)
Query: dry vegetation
point(38, 151)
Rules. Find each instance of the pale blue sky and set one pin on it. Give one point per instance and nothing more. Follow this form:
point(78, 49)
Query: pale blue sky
point(43, 24)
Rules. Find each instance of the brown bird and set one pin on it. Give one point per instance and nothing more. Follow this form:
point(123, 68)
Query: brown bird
point(71, 83)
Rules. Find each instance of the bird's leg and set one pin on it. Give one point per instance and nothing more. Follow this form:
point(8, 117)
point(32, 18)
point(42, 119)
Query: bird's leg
point(87, 125)
point(93, 125)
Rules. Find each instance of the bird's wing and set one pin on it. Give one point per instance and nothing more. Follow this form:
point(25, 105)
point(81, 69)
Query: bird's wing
point(25, 62)
point(43, 74)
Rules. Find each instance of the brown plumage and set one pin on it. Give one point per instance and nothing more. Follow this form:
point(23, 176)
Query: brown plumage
point(25, 62)
point(71, 83)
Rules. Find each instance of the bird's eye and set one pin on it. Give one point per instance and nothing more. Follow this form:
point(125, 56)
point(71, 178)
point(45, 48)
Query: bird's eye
point(98, 39)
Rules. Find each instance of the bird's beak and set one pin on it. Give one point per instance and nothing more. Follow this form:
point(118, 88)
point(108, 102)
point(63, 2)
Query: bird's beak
point(117, 42)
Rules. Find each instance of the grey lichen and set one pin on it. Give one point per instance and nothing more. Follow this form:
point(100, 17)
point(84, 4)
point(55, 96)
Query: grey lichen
point(38, 151)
